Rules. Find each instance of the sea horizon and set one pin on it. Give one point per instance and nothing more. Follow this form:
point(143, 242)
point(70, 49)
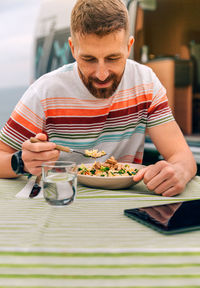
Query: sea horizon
point(9, 95)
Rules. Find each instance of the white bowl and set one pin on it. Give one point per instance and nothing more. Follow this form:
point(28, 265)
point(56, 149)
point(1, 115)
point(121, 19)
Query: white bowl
point(116, 182)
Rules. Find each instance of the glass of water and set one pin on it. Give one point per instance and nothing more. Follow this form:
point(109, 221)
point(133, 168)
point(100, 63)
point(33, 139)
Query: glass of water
point(59, 182)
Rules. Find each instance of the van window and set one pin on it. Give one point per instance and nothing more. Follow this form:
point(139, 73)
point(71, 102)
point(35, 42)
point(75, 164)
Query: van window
point(52, 52)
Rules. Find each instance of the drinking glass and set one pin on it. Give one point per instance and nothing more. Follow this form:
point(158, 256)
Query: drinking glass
point(59, 182)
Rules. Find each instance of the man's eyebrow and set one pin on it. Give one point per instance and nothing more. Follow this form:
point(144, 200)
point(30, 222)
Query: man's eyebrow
point(114, 55)
point(107, 56)
point(87, 56)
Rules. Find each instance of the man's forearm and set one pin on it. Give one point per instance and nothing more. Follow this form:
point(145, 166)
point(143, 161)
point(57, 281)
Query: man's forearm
point(5, 167)
point(172, 145)
point(185, 162)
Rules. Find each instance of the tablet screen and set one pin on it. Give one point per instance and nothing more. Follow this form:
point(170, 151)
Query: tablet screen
point(169, 218)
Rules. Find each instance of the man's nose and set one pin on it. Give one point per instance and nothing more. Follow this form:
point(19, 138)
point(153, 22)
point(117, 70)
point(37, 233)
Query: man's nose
point(102, 72)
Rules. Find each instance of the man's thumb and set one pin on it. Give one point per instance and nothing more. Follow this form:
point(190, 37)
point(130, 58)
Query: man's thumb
point(139, 175)
point(41, 137)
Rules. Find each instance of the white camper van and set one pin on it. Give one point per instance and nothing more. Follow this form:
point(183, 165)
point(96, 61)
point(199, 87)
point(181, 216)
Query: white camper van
point(167, 38)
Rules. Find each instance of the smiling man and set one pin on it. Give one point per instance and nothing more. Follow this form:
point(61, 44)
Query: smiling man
point(102, 101)
point(101, 66)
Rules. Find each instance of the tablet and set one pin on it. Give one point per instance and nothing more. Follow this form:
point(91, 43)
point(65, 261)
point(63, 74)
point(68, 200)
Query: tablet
point(170, 218)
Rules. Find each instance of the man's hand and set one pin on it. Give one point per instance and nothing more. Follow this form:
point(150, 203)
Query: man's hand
point(170, 176)
point(163, 178)
point(34, 154)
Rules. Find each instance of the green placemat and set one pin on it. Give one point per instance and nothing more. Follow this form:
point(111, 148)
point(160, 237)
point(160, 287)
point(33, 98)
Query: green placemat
point(91, 243)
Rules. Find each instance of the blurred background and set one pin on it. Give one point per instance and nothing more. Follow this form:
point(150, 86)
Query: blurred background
point(34, 37)
point(17, 27)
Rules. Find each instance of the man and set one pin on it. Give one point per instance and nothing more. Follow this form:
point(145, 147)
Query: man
point(102, 101)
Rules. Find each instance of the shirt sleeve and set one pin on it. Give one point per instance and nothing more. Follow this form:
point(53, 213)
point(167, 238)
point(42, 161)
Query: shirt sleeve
point(159, 111)
point(26, 120)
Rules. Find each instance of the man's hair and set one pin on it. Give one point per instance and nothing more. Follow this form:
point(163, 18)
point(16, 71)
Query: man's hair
point(100, 17)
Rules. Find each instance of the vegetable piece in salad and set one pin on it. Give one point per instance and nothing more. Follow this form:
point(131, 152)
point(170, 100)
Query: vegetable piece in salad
point(110, 168)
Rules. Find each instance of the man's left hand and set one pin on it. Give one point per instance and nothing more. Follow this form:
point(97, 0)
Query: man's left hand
point(163, 178)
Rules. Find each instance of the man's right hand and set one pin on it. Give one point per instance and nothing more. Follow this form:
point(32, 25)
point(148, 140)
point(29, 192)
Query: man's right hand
point(34, 154)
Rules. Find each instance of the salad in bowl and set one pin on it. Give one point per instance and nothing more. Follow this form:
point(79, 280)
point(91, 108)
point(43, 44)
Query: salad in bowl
point(108, 175)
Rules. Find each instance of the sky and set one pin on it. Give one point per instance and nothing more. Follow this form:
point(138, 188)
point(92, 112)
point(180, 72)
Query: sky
point(17, 25)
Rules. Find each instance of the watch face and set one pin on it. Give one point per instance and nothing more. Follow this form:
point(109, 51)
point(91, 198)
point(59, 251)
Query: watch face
point(15, 162)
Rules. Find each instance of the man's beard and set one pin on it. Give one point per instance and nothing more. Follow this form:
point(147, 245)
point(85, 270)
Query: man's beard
point(101, 92)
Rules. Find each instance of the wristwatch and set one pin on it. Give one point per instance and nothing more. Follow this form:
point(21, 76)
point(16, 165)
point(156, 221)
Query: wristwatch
point(17, 163)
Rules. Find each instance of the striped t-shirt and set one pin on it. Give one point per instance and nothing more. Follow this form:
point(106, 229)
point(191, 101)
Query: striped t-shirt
point(60, 105)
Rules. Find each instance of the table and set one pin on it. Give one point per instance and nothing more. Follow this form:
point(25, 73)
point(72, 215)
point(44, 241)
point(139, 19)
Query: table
point(91, 243)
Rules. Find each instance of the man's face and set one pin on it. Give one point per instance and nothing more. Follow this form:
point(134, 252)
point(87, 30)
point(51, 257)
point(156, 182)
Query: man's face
point(101, 60)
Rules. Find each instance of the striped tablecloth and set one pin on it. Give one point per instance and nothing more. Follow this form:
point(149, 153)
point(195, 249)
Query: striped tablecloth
point(91, 243)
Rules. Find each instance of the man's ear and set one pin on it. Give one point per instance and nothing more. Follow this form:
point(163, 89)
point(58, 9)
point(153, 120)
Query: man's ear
point(130, 43)
point(71, 46)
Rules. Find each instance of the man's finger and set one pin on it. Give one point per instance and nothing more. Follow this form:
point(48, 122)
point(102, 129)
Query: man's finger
point(140, 174)
point(38, 147)
point(41, 137)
